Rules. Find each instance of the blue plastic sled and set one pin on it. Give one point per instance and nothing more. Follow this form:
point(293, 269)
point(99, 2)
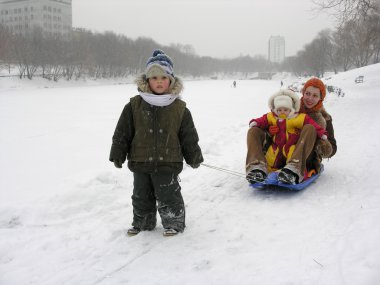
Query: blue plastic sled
point(272, 181)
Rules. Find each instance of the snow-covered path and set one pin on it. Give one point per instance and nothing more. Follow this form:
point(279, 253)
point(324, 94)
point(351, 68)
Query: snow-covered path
point(64, 208)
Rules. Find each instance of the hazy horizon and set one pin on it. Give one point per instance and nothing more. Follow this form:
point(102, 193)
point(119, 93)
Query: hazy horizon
point(217, 28)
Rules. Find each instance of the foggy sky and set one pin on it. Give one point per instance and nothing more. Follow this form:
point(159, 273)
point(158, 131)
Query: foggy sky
point(217, 28)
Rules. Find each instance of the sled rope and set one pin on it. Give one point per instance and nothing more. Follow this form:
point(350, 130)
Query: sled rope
point(225, 170)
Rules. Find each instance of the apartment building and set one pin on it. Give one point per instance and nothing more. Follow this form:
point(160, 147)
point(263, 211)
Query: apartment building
point(54, 17)
point(276, 49)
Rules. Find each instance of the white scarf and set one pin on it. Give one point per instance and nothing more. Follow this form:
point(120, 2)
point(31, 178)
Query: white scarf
point(158, 100)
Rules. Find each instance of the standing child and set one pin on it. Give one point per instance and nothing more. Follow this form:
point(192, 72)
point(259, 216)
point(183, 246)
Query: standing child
point(155, 133)
point(284, 124)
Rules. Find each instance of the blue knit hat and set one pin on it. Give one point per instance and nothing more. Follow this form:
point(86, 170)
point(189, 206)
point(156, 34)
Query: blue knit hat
point(159, 64)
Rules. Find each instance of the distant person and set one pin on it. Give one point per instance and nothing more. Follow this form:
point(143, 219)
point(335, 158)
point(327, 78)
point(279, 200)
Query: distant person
point(309, 151)
point(155, 133)
point(282, 83)
point(284, 124)
point(234, 84)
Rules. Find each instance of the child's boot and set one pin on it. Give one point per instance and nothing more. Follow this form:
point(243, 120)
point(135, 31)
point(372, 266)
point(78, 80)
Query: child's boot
point(170, 232)
point(133, 231)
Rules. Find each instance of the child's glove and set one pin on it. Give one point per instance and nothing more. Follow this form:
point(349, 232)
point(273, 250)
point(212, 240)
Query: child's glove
point(253, 124)
point(273, 130)
point(195, 165)
point(117, 164)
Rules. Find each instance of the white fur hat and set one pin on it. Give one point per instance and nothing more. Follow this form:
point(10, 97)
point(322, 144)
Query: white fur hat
point(284, 98)
point(284, 102)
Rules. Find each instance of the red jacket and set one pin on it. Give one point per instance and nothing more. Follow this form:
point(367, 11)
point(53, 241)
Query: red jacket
point(284, 141)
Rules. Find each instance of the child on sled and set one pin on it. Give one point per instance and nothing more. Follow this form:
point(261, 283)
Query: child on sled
point(284, 124)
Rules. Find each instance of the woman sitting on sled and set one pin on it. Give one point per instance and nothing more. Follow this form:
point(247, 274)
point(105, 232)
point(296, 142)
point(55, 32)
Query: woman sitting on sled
point(308, 151)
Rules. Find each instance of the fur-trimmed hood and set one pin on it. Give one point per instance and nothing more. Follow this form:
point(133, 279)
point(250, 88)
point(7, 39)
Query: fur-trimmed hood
point(325, 115)
point(289, 93)
point(320, 117)
point(175, 88)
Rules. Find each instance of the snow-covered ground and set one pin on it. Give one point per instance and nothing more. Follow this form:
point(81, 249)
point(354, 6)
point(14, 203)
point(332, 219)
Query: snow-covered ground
point(64, 208)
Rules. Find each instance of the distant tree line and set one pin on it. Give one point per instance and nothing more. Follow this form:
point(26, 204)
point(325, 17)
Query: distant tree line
point(354, 43)
point(107, 55)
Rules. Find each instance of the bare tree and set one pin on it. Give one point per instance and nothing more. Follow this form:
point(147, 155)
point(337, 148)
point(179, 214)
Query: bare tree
point(362, 39)
point(315, 57)
point(80, 52)
point(6, 54)
point(344, 45)
point(346, 10)
point(331, 49)
point(25, 56)
point(187, 49)
point(374, 27)
point(376, 53)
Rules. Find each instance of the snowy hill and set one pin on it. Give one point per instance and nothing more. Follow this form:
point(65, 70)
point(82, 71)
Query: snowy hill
point(64, 208)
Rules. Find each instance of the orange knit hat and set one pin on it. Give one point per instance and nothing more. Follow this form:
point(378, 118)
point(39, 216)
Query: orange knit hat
point(317, 83)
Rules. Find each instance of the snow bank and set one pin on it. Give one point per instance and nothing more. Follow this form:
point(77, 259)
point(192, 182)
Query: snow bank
point(64, 208)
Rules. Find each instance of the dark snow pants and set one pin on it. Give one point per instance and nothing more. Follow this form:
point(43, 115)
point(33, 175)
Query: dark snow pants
point(160, 191)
